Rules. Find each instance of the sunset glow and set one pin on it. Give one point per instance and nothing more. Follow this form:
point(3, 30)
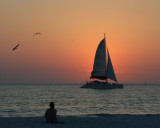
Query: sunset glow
point(71, 31)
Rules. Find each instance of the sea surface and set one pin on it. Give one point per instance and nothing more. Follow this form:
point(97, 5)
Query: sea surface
point(31, 100)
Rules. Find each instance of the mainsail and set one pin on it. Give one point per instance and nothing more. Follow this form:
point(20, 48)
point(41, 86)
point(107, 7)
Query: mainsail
point(99, 68)
point(103, 68)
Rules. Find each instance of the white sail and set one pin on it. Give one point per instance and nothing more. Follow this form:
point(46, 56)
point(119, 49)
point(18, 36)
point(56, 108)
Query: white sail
point(99, 68)
point(110, 70)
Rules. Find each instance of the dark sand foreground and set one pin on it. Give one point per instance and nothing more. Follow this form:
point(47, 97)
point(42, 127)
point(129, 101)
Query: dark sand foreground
point(87, 121)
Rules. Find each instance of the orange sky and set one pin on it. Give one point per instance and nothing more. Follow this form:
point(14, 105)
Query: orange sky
point(71, 31)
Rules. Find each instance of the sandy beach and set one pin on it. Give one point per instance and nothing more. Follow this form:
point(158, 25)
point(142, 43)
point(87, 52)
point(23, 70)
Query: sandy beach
point(87, 121)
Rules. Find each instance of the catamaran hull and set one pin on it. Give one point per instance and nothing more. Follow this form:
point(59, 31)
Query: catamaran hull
point(102, 86)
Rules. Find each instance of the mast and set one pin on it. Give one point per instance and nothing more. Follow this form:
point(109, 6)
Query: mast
point(105, 54)
point(105, 39)
point(105, 42)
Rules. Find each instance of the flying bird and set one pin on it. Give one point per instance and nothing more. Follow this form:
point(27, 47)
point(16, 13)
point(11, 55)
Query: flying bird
point(37, 33)
point(15, 47)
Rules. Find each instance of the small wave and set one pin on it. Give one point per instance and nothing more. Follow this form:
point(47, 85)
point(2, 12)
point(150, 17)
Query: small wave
point(117, 115)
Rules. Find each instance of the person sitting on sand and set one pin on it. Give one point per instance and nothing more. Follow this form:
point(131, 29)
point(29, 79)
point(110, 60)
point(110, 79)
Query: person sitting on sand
point(50, 114)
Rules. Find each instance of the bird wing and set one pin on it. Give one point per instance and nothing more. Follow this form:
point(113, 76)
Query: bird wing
point(15, 47)
point(36, 33)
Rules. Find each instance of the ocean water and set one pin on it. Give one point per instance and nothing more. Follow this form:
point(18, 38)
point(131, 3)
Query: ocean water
point(30, 100)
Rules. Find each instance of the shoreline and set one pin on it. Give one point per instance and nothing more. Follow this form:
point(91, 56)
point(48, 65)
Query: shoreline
point(86, 121)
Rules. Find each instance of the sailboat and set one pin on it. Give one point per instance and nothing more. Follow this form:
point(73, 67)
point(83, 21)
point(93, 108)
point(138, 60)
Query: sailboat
point(102, 70)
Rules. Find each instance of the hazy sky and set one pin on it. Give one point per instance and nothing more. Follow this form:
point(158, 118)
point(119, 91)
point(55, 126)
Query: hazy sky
point(71, 31)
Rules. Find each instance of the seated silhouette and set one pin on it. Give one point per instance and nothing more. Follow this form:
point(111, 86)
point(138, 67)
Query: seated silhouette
point(50, 114)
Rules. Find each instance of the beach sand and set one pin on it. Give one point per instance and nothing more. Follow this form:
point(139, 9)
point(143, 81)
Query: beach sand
point(87, 121)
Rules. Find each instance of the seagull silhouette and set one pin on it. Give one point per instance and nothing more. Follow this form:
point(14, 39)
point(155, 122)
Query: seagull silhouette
point(15, 47)
point(37, 33)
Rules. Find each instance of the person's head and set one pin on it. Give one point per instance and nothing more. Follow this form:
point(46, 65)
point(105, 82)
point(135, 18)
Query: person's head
point(51, 104)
